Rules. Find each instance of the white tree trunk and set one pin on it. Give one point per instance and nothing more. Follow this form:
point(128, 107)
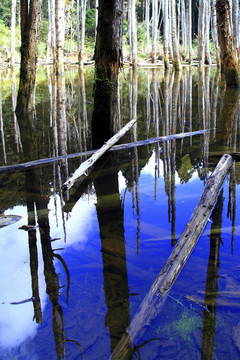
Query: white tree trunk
point(165, 34)
point(134, 34)
point(147, 9)
point(201, 33)
point(60, 31)
point(154, 29)
point(176, 59)
point(13, 23)
point(207, 32)
point(190, 31)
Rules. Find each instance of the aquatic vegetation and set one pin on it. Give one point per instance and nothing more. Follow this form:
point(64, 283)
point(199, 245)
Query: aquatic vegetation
point(183, 326)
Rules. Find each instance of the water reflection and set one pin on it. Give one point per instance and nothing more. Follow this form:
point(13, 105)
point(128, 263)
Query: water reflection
point(135, 224)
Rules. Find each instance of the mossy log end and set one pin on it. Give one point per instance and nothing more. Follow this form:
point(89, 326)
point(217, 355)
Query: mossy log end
point(155, 298)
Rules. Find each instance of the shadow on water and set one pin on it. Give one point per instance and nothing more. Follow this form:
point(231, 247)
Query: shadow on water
point(140, 219)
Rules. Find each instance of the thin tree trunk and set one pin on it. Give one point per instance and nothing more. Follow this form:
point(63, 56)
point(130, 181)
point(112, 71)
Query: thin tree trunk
point(176, 59)
point(165, 35)
point(207, 32)
point(215, 33)
point(147, 9)
point(154, 29)
point(134, 34)
point(190, 31)
point(13, 24)
point(201, 33)
point(60, 31)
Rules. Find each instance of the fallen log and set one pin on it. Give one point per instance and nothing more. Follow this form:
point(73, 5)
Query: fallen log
point(88, 163)
point(25, 165)
point(154, 300)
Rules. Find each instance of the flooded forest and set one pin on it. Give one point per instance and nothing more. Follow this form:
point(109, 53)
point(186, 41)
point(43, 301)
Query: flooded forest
point(77, 264)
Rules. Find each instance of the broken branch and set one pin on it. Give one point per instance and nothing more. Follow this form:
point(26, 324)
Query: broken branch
point(88, 163)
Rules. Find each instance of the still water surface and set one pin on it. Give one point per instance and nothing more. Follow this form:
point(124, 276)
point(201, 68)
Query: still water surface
point(97, 248)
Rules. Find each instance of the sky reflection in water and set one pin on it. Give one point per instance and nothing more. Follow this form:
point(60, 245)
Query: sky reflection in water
point(150, 212)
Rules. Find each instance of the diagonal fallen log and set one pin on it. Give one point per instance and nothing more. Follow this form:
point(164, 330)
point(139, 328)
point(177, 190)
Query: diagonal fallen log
point(25, 165)
point(88, 163)
point(157, 294)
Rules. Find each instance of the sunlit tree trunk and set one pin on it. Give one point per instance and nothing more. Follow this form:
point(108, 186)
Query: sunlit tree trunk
point(190, 31)
point(60, 31)
point(134, 34)
point(201, 33)
point(130, 28)
point(165, 34)
point(176, 59)
point(154, 29)
point(215, 33)
point(207, 32)
point(83, 29)
point(235, 13)
point(147, 9)
point(13, 24)
point(96, 18)
point(229, 59)
point(31, 15)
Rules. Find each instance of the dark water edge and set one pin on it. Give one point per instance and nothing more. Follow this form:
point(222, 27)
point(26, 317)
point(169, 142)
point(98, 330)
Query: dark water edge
point(97, 249)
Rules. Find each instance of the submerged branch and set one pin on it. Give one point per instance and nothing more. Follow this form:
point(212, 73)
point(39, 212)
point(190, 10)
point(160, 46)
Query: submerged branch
point(23, 166)
point(157, 294)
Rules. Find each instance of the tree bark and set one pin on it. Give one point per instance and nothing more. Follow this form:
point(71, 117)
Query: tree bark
point(108, 61)
point(229, 61)
point(176, 59)
point(60, 30)
point(31, 16)
point(165, 35)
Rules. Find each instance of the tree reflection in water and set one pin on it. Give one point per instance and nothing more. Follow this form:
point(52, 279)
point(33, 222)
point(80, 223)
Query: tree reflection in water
point(172, 103)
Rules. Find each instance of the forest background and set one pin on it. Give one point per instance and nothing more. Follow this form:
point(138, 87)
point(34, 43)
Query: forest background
point(185, 30)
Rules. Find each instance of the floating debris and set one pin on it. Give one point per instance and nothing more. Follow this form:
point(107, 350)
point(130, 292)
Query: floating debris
point(6, 220)
point(28, 227)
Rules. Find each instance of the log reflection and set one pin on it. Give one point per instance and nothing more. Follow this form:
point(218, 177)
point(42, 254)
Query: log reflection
point(211, 291)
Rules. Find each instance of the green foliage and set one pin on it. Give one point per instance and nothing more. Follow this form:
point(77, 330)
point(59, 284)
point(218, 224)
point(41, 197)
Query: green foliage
point(44, 31)
point(90, 24)
point(5, 12)
point(5, 39)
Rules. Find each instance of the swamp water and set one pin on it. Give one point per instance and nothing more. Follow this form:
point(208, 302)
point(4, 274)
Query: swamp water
point(97, 248)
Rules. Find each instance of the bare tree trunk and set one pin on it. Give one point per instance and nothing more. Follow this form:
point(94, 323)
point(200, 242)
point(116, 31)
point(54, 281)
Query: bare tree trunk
point(13, 23)
point(83, 27)
point(207, 32)
point(154, 29)
point(134, 34)
point(235, 12)
point(215, 33)
point(60, 31)
point(229, 59)
point(165, 35)
point(190, 31)
point(201, 33)
point(108, 58)
point(147, 9)
point(31, 15)
point(96, 18)
point(176, 59)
